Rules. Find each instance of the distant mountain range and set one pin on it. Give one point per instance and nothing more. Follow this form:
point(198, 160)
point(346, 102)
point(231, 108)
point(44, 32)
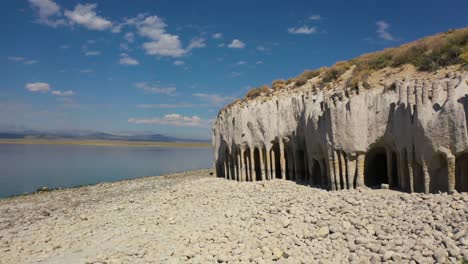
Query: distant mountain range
point(90, 135)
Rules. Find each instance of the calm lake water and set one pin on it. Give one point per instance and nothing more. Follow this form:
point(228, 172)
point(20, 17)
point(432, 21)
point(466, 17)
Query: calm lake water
point(25, 168)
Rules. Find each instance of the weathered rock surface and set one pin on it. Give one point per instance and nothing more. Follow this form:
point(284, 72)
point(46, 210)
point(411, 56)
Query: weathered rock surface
point(194, 218)
point(411, 134)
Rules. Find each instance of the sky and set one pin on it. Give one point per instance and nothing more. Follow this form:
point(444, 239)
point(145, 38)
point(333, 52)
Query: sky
point(168, 66)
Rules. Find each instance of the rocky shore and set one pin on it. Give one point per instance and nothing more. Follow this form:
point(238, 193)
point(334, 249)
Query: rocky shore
point(194, 217)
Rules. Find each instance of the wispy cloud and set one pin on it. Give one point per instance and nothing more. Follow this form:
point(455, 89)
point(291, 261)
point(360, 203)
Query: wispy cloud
point(48, 12)
point(179, 62)
point(214, 99)
point(85, 15)
point(63, 93)
point(38, 87)
point(171, 120)
point(241, 62)
point(92, 53)
point(156, 89)
point(315, 17)
point(217, 35)
point(304, 30)
point(125, 59)
point(86, 71)
point(382, 31)
point(236, 44)
point(17, 59)
point(169, 106)
point(22, 60)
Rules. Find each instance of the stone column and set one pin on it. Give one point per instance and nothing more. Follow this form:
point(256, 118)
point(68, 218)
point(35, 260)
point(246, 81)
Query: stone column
point(425, 93)
point(248, 167)
point(262, 163)
point(273, 164)
point(234, 163)
point(226, 168)
point(350, 171)
point(331, 172)
point(336, 165)
point(360, 170)
point(268, 164)
point(282, 160)
point(342, 157)
point(253, 174)
point(389, 166)
point(241, 165)
point(410, 172)
point(427, 178)
point(451, 173)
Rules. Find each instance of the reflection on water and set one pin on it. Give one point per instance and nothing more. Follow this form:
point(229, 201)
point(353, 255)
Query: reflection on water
point(25, 168)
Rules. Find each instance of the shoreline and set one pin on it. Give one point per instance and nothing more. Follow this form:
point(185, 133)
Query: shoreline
point(104, 143)
point(47, 189)
point(194, 217)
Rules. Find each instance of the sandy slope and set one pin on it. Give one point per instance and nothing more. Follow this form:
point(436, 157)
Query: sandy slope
point(195, 218)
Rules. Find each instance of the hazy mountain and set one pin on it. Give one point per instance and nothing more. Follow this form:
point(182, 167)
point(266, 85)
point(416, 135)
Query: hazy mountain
point(90, 135)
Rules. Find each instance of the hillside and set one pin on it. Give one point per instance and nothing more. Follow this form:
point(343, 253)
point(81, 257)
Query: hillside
point(430, 57)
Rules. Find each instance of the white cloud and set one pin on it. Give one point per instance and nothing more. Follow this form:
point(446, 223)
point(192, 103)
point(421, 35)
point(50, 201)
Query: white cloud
point(171, 120)
point(241, 62)
point(85, 15)
point(236, 44)
point(315, 17)
point(92, 53)
point(40, 87)
point(47, 12)
point(63, 93)
point(214, 99)
point(259, 62)
point(156, 89)
point(168, 106)
point(196, 43)
point(127, 60)
point(162, 43)
point(86, 71)
point(64, 46)
point(179, 62)
point(17, 59)
point(217, 35)
point(305, 30)
point(382, 31)
point(130, 37)
point(23, 60)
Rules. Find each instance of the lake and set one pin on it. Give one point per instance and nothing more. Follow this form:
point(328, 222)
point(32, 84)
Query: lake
point(25, 168)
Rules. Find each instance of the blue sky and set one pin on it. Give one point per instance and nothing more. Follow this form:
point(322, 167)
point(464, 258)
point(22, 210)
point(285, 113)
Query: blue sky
point(168, 66)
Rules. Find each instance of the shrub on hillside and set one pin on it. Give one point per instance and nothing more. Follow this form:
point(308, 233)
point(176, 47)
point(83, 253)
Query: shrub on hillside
point(278, 85)
point(255, 92)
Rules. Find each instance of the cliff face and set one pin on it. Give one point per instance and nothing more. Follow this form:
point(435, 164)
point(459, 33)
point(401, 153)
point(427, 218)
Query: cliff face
point(412, 135)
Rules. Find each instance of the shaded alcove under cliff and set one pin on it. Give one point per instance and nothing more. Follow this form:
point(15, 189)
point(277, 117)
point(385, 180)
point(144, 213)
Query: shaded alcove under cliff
point(461, 173)
point(375, 172)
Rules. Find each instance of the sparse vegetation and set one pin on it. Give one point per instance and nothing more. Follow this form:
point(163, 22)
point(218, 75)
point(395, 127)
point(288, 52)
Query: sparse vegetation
point(278, 85)
point(255, 92)
point(427, 54)
point(305, 76)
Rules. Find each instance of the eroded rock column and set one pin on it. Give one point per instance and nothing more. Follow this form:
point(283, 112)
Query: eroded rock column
point(360, 170)
point(253, 174)
point(273, 164)
point(268, 164)
point(451, 173)
point(282, 160)
point(262, 163)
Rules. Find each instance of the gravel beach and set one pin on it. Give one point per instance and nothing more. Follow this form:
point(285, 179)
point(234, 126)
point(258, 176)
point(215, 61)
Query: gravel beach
point(193, 217)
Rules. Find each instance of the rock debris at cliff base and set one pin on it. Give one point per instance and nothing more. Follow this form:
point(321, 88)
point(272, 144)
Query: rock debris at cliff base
point(195, 218)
